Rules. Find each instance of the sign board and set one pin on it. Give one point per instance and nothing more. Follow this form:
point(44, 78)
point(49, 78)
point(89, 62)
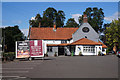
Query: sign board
point(36, 48)
point(22, 49)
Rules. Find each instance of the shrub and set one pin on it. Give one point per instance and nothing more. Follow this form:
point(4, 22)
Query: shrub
point(46, 54)
point(10, 56)
point(80, 53)
point(55, 54)
point(107, 52)
point(99, 53)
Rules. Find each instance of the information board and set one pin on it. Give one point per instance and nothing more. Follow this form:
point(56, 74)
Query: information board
point(36, 48)
point(22, 49)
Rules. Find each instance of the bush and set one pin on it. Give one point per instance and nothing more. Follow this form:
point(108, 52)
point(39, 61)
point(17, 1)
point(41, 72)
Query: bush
point(10, 56)
point(80, 53)
point(55, 54)
point(99, 53)
point(107, 51)
point(46, 54)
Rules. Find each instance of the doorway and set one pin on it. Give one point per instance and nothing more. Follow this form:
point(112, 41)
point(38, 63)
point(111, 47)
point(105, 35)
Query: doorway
point(60, 50)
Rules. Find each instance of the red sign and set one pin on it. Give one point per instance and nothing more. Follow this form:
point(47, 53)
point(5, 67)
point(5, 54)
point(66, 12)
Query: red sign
point(36, 48)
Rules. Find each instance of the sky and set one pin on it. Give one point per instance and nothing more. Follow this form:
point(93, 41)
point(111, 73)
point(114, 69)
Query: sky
point(19, 13)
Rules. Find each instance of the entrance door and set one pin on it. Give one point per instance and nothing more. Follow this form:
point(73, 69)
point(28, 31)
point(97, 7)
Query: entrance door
point(60, 50)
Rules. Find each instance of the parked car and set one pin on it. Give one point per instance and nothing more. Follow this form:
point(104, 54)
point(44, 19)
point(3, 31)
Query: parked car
point(118, 53)
point(111, 52)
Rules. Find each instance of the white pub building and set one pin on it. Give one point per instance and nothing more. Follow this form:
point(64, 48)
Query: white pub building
point(67, 41)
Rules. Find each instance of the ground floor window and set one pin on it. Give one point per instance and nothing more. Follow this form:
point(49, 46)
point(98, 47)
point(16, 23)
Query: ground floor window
point(90, 49)
point(49, 49)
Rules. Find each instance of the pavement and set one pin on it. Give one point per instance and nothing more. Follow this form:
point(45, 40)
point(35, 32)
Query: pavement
point(62, 67)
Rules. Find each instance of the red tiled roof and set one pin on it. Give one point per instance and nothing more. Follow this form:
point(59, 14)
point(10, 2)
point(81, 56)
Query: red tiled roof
point(103, 45)
point(85, 41)
point(49, 34)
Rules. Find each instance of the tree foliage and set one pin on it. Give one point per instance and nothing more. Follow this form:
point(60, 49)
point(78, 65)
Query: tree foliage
point(113, 34)
point(12, 34)
point(95, 18)
point(35, 23)
point(50, 15)
point(71, 23)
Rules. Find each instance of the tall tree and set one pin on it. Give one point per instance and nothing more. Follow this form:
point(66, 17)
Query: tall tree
point(71, 23)
point(12, 34)
point(50, 15)
point(113, 34)
point(103, 37)
point(60, 18)
point(36, 22)
point(95, 18)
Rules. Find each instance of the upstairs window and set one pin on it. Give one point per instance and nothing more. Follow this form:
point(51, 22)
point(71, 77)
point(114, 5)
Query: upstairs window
point(63, 41)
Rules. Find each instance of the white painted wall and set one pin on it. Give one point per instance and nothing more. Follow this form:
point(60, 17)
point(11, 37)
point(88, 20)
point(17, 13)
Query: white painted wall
point(52, 41)
point(71, 40)
point(104, 52)
point(77, 50)
point(56, 41)
point(97, 49)
point(44, 47)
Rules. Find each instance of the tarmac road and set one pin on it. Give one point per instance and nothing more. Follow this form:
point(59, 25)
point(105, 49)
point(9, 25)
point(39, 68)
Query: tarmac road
point(63, 67)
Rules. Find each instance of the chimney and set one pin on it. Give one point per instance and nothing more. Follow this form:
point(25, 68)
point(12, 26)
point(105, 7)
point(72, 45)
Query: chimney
point(85, 20)
point(54, 26)
point(39, 24)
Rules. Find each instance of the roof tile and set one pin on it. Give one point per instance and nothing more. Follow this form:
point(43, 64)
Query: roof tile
point(49, 34)
point(85, 41)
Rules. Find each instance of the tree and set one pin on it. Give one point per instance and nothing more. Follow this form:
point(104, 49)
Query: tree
point(95, 18)
point(36, 22)
point(12, 34)
point(60, 18)
point(113, 34)
point(50, 15)
point(103, 37)
point(71, 23)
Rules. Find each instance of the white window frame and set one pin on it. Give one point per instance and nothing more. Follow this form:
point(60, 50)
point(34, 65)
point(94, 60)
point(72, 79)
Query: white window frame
point(89, 49)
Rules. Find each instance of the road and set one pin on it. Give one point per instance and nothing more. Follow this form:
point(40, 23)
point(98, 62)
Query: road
point(63, 67)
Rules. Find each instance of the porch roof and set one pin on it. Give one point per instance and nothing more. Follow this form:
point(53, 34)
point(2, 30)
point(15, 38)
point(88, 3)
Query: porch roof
point(85, 41)
point(103, 45)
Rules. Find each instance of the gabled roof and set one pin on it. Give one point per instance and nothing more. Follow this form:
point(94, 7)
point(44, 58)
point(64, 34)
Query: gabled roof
point(85, 41)
point(103, 45)
point(50, 34)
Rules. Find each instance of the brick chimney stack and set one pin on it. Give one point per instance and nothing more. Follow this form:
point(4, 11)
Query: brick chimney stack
point(85, 20)
point(54, 26)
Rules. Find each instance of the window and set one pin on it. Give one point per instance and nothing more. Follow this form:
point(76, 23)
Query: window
point(85, 29)
point(85, 36)
point(49, 49)
point(63, 41)
point(90, 49)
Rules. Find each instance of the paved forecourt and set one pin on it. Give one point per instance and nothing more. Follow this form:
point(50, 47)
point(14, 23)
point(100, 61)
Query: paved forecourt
point(63, 67)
